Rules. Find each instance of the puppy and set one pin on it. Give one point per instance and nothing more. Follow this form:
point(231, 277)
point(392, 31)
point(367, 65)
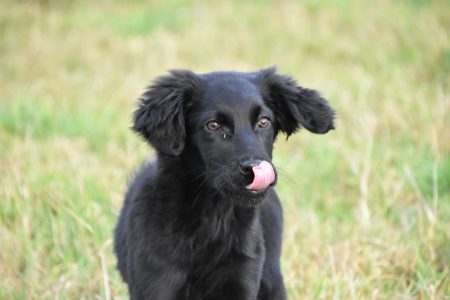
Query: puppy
point(203, 221)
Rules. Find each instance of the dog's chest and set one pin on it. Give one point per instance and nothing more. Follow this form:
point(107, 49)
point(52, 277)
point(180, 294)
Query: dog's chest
point(217, 239)
point(227, 257)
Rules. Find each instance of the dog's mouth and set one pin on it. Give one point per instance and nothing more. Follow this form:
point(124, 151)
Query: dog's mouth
point(261, 177)
point(248, 187)
point(255, 184)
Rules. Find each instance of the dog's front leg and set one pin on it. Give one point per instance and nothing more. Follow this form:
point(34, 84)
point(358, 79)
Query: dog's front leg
point(272, 287)
point(233, 290)
point(149, 281)
point(236, 281)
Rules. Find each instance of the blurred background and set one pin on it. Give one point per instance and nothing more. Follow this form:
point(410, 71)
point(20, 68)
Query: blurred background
point(367, 207)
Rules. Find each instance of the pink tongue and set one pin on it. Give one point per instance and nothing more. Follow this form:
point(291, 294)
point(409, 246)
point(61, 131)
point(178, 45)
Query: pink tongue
point(264, 176)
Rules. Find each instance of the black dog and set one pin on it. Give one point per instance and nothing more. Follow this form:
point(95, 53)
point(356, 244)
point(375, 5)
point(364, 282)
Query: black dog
point(203, 221)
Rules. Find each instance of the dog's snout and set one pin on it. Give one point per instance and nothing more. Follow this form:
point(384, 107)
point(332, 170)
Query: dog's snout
point(246, 166)
point(246, 169)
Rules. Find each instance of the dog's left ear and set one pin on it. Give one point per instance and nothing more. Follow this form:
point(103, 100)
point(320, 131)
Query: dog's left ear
point(159, 118)
point(295, 106)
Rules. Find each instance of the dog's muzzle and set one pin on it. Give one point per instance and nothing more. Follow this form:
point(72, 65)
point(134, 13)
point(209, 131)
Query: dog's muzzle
point(259, 174)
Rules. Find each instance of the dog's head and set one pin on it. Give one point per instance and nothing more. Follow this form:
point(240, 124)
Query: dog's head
point(223, 125)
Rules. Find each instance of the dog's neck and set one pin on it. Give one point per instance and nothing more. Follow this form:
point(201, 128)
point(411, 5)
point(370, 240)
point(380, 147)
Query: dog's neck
point(199, 196)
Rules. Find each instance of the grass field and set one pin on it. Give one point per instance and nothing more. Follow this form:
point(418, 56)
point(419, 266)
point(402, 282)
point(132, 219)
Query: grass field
point(367, 207)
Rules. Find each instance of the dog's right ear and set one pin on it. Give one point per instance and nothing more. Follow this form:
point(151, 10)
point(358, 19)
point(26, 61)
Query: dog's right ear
point(159, 118)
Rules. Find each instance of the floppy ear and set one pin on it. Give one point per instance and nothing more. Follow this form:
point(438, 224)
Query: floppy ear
point(295, 106)
point(159, 118)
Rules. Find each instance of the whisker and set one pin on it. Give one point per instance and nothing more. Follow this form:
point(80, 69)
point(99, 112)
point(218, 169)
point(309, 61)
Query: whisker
point(284, 175)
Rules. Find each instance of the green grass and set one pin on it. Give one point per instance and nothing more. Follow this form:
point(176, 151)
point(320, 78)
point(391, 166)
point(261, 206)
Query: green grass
point(367, 207)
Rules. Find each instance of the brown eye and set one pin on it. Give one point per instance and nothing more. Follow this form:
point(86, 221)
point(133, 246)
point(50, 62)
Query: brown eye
point(263, 122)
point(213, 126)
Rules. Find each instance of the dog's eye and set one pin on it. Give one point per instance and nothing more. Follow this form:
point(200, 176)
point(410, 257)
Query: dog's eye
point(213, 126)
point(263, 122)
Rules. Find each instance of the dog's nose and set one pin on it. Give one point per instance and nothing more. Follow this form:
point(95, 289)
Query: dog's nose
point(246, 169)
point(247, 165)
point(257, 174)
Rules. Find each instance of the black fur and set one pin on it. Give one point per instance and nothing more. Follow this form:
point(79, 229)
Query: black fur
point(189, 228)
